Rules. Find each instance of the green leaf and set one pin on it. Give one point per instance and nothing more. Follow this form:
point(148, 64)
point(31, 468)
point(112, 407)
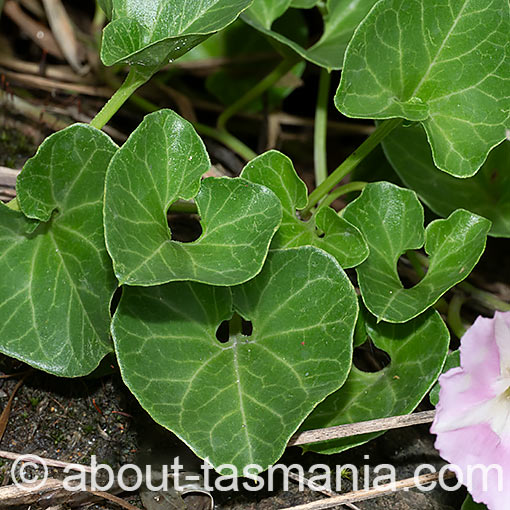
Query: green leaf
point(327, 230)
point(57, 279)
point(266, 11)
point(417, 350)
point(452, 361)
point(391, 219)
point(303, 4)
point(239, 402)
point(443, 63)
point(156, 32)
point(469, 504)
point(161, 162)
point(340, 21)
point(487, 193)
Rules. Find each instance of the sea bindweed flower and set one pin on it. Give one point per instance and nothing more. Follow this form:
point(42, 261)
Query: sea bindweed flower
point(473, 414)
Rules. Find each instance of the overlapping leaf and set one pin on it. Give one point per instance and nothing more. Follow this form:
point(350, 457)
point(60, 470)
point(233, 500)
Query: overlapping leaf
point(391, 219)
point(327, 230)
point(443, 63)
point(487, 193)
point(156, 32)
point(239, 402)
point(417, 350)
point(162, 161)
point(340, 20)
point(57, 279)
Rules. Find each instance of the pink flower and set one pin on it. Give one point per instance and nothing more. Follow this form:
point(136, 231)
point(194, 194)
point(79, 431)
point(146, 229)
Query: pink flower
point(473, 415)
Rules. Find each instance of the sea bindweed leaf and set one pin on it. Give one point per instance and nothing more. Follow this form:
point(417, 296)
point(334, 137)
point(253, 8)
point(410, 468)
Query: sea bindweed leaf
point(443, 63)
point(57, 279)
point(469, 504)
point(158, 31)
point(161, 162)
point(341, 17)
point(417, 352)
point(266, 11)
point(238, 402)
point(391, 219)
point(326, 230)
point(487, 193)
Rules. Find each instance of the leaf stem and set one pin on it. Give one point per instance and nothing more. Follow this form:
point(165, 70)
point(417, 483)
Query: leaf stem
point(133, 81)
point(453, 318)
point(320, 128)
point(342, 190)
point(485, 298)
point(273, 77)
point(226, 139)
point(381, 132)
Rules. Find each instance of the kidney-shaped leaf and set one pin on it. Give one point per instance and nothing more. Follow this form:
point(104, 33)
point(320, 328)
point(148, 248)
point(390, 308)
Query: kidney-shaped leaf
point(156, 32)
point(444, 63)
point(340, 19)
point(57, 279)
point(417, 350)
point(239, 402)
point(391, 219)
point(162, 161)
point(327, 230)
point(487, 193)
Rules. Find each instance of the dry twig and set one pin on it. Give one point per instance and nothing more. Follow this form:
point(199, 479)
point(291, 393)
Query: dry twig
point(364, 427)
point(375, 492)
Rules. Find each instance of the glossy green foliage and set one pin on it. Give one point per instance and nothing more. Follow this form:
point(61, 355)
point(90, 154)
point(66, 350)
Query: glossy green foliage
point(163, 161)
point(487, 193)
point(239, 402)
point(341, 17)
point(391, 219)
point(417, 351)
point(57, 279)
point(443, 63)
point(155, 32)
point(327, 230)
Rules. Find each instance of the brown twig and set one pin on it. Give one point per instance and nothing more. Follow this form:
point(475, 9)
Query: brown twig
point(39, 82)
point(63, 31)
point(39, 33)
point(55, 72)
point(52, 491)
point(365, 427)
point(44, 461)
point(375, 492)
point(6, 412)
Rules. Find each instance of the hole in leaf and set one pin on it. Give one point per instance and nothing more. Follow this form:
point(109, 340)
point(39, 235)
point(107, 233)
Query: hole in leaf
point(406, 272)
point(185, 228)
point(114, 303)
point(223, 333)
point(369, 358)
point(246, 327)
point(232, 327)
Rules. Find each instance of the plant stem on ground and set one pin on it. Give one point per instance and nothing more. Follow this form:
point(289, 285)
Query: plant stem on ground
point(320, 129)
point(382, 131)
point(271, 79)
